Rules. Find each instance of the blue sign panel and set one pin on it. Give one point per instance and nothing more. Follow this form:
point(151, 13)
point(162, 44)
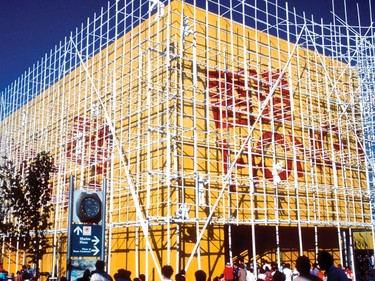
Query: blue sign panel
point(86, 240)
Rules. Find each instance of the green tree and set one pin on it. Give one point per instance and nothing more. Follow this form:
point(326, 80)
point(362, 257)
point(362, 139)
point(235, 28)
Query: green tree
point(31, 203)
point(10, 183)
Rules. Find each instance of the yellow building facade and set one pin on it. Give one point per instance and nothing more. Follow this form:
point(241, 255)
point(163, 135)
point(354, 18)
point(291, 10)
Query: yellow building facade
point(220, 139)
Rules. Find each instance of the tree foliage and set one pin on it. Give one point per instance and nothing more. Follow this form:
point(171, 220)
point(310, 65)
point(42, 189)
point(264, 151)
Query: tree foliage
point(29, 203)
point(10, 181)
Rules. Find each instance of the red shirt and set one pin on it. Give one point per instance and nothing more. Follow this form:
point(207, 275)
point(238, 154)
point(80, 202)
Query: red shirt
point(228, 273)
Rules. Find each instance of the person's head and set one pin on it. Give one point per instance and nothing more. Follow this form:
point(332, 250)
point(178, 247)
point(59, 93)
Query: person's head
point(278, 276)
point(99, 265)
point(167, 271)
point(180, 277)
point(121, 273)
point(325, 260)
point(303, 265)
point(142, 277)
point(200, 275)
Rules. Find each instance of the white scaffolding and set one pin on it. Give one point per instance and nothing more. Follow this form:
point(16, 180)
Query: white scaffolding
point(204, 114)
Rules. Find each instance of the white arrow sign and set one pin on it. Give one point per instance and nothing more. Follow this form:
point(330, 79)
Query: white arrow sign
point(78, 230)
point(95, 250)
point(95, 240)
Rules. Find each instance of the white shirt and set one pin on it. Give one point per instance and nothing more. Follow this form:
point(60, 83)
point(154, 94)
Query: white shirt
point(250, 276)
point(288, 274)
point(99, 277)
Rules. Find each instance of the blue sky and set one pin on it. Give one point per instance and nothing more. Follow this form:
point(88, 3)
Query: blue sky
point(30, 28)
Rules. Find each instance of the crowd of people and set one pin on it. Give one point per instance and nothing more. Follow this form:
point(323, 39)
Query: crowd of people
point(27, 273)
point(125, 275)
point(322, 270)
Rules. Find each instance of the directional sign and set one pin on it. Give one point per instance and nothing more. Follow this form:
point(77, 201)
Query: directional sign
point(86, 240)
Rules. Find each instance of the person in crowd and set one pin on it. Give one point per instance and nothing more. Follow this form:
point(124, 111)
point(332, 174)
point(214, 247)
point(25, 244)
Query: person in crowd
point(265, 264)
point(349, 273)
point(123, 275)
point(228, 272)
point(303, 266)
point(25, 274)
point(241, 273)
point(262, 274)
point(315, 270)
point(363, 268)
point(142, 277)
point(30, 270)
point(278, 276)
point(268, 273)
point(11, 277)
point(3, 275)
point(180, 276)
point(288, 272)
point(250, 276)
point(235, 271)
point(325, 261)
point(167, 272)
point(99, 274)
point(18, 276)
point(240, 261)
point(274, 269)
point(200, 275)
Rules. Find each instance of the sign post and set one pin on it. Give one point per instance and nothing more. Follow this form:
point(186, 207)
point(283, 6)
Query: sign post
point(86, 240)
point(86, 228)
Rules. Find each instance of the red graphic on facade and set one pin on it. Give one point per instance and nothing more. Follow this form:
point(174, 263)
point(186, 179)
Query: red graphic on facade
point(232, 106)
point(90, 144)
point(278, 140)
point(233, 102)
point(230, 101)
